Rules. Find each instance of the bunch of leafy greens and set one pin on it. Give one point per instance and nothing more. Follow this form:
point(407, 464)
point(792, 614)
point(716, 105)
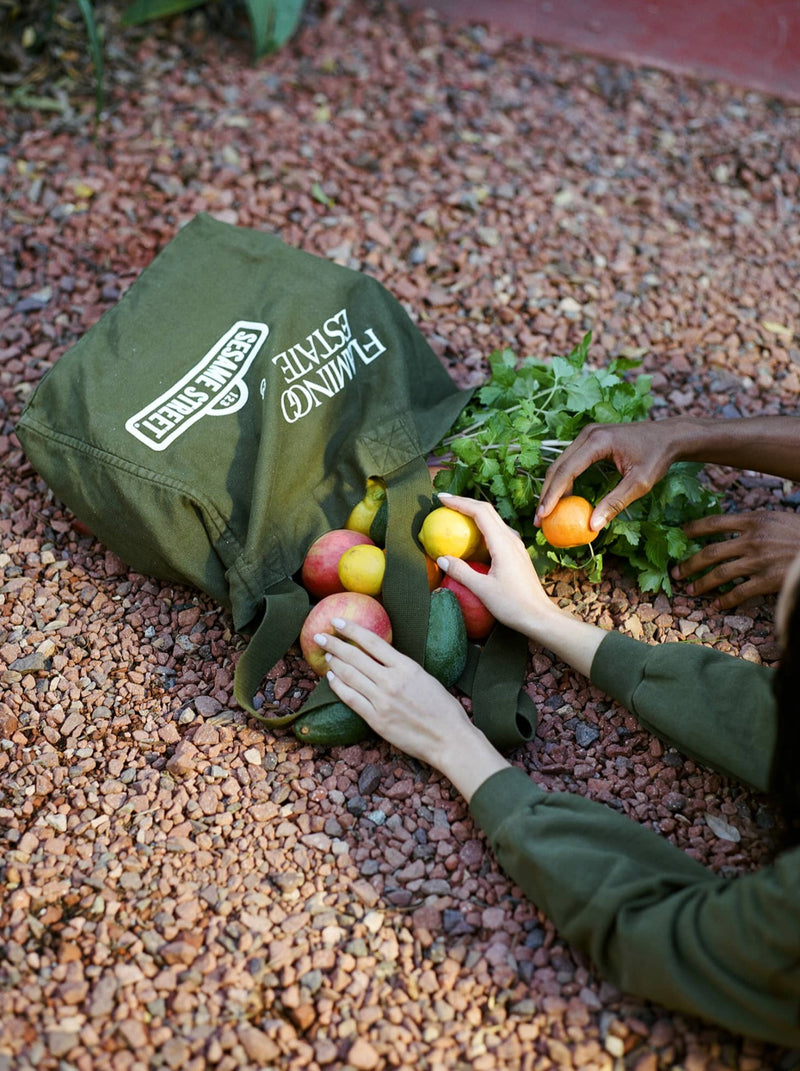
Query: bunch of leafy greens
point(519, 422)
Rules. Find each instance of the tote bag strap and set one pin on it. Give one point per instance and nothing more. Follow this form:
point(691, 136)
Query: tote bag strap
point(406, 593)
point(285, 608)
point(494, 678)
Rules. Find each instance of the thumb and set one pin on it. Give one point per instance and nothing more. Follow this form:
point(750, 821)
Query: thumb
point(608, 508)
point(601, 515)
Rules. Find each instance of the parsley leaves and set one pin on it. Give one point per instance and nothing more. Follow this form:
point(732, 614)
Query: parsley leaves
point(520, 420)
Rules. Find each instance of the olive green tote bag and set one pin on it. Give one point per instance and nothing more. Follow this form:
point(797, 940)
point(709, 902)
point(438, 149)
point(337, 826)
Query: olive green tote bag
point(227, 411)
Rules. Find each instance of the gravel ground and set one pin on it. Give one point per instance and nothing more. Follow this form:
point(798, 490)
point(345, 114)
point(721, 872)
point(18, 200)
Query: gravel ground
point(183, 889)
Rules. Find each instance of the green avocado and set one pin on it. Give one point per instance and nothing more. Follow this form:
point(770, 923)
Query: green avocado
point(446, 646)
point(334, 725)
point(377, 530)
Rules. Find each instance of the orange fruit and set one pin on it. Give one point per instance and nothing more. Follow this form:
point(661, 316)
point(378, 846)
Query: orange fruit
point(362, 571)
point(435, 574)
point(567, 524)
point(446, 531)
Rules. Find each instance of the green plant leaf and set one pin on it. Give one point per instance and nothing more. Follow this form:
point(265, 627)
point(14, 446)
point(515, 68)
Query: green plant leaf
point(273, 22)
point(530, 456)
point(95, 51)
point(146, 10)
point(655, 545)
point(650, 579)
point(594, 570)
point(605, 413)
point(522, 494)
point(578, 356)
point(468, 451)
point(319, 194)
point(585, 393)
point(630, 531)
point(623, 364)
point(677, 544)
point(457, 480)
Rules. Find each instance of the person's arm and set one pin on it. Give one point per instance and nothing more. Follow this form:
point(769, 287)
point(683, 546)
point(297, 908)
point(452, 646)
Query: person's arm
point(654, 921)
point(713, 706)
point(766, 444)
point(643, 450)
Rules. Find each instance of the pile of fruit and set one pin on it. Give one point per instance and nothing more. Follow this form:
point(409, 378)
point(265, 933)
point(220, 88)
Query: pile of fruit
point(500, 448)
point(343, 572)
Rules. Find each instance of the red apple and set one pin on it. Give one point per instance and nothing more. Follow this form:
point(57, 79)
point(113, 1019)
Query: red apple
point(476, 617)
point(350, 605)
point(319, 573)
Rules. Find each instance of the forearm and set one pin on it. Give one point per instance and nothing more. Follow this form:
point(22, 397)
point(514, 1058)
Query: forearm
point(761, 444)
point(717, 709)
point(653, 920)
point(571, 640)
point(467, 760)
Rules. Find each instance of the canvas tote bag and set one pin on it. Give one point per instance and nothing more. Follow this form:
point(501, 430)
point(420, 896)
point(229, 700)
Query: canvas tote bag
point(227, 411)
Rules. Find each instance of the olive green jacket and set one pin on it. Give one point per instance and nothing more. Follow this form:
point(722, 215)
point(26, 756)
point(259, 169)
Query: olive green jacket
point(655, 921)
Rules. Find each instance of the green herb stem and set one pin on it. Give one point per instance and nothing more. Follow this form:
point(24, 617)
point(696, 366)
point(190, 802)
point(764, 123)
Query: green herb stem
point(476, 426)
point(552, 446)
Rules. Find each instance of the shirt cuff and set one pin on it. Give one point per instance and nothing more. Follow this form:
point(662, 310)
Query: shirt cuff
point(618, 666)
point(501, 792)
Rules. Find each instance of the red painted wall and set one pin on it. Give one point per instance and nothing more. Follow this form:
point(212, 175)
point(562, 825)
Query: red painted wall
point(749, 43)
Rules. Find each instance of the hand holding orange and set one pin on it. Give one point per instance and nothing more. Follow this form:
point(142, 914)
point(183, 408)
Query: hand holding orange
point(567, 524)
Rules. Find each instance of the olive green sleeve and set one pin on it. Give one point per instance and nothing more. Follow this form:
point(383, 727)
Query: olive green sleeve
point(655, 922)
point(714, 707)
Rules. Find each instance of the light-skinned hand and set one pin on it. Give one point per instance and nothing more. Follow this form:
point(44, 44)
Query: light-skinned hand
point(407, 706)
point(511, 590)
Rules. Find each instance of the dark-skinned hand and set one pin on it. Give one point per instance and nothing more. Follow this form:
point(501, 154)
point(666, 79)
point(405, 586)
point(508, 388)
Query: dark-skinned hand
point(755, 556)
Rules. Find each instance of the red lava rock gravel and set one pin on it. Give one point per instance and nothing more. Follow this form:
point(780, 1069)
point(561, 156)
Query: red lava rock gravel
point(183, 889)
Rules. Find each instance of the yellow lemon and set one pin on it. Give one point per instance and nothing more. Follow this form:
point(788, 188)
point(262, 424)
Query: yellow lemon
point(361, 517)
point(446, 531)
point(361, 568)
point(363, 513)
